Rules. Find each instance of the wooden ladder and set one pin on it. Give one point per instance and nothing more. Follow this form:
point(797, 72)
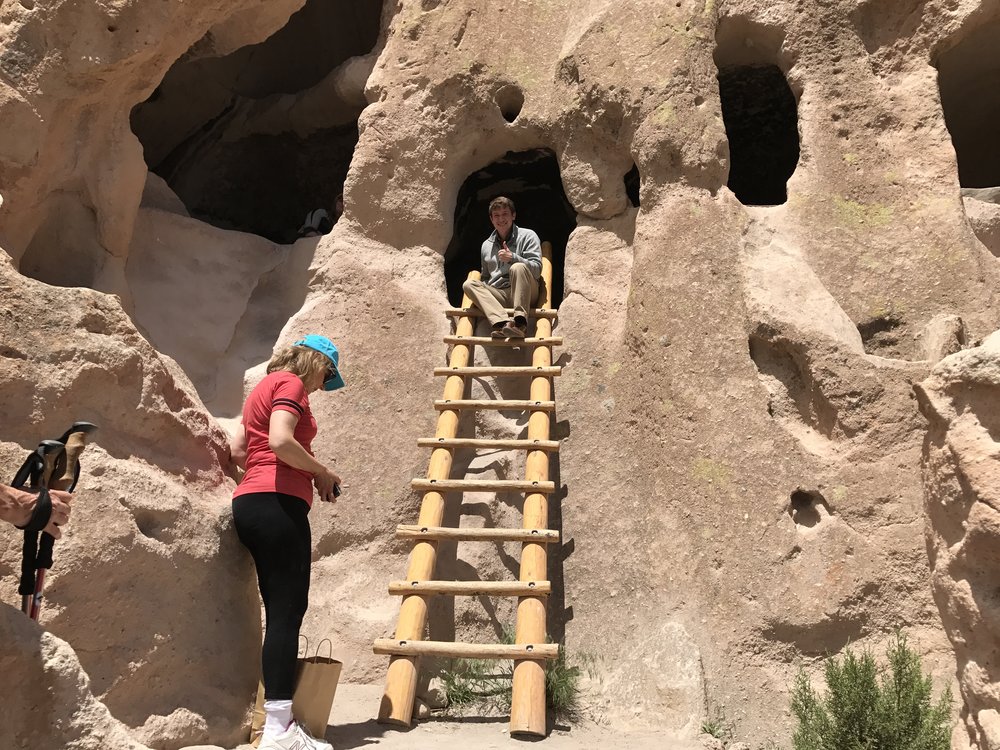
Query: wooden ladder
point(530, 648)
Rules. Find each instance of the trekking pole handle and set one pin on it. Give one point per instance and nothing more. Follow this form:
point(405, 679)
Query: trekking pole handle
point(53, 456)
point(75, 444)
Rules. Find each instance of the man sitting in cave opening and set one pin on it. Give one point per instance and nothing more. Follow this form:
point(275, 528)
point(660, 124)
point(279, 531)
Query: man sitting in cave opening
point(319, 221)
point(511, 272)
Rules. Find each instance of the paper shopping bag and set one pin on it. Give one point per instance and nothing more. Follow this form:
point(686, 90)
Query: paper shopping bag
point(315, 687)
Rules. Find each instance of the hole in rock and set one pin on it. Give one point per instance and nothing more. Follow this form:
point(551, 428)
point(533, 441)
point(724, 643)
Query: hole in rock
point(258, 138)
point(807, 508)
point(969, 80)
point(529, 178)
point(759, 111)
point(632, 185)
point(510, 99)
point(883, 335)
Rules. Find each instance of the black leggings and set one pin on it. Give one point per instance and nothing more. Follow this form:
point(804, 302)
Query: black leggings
point(275, 528)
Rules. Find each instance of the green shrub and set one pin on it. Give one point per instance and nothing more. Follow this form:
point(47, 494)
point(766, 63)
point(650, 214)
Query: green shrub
point(488, 683)
point(717, 725)
point(872, 708)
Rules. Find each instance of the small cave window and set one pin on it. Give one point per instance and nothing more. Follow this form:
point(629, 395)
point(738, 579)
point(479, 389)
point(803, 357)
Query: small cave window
point(759, 111)
point(632, 185)
point(510, 100)
point(969, 81)
point(532, 180)
point(260, 139)
point(807, 508)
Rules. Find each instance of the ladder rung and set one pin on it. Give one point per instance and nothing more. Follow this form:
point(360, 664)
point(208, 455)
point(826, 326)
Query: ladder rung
point(391, 647)
point(488, 341)
point(541, 536)
point(475, 312)
point(483, 485)
point(471, 588)
point(505, 371)
point(529, 445)
point(495, 404)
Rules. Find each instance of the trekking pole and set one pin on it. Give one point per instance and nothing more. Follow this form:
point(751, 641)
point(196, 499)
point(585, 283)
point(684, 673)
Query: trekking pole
point(58, 469)
point(34, 472)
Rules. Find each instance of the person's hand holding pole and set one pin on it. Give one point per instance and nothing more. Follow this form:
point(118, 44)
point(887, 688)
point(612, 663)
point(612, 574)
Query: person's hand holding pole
point(60, 513)
point(18, 505)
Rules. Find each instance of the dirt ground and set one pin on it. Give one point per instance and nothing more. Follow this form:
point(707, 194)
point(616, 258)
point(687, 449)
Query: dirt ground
point(352, 726)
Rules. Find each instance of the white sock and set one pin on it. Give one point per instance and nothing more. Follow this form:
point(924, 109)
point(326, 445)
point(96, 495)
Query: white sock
point(277, 717)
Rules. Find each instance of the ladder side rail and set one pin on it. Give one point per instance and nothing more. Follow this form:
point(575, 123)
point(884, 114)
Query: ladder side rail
point(527, 715)
point(401, 678)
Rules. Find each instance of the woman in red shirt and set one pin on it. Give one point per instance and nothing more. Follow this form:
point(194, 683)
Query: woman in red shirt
point(270, 511)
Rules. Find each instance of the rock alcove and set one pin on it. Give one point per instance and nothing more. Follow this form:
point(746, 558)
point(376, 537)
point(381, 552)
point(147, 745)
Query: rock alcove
point(255, 139)
point(967, 76)
point(759, 111)
point(529, 178)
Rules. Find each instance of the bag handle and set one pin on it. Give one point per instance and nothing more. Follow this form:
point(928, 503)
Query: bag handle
point(305, 652)
point(320, 645)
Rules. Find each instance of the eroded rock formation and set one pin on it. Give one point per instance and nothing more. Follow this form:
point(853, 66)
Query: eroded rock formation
point(962, 477)
point(741, 446)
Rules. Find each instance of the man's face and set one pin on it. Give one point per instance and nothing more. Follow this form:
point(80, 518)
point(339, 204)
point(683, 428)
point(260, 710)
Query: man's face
point(502, 220)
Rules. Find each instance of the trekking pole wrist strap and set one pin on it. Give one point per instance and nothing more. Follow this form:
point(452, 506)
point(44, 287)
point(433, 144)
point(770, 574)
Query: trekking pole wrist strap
point(42, 513)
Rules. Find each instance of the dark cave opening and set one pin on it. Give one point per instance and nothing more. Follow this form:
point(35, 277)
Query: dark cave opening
point(632, 186)
point(256, 139)
point(532, 180)
point(807, 507)
point(968, 78)
point(761, 119)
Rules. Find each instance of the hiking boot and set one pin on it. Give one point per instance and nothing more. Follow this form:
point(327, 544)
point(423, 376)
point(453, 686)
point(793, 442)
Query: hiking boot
point(296, 737)
point(515, 330)
point(498, 331)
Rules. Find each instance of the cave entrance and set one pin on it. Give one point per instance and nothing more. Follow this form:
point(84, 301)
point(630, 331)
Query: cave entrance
point(529, 178)
point(759, 111)
point(256, 139)
point(969, 81)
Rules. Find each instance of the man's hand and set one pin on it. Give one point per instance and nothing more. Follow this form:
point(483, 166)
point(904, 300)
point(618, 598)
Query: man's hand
point(18, 505)
point(324, 482)
point(505, 255)
point(60, 512)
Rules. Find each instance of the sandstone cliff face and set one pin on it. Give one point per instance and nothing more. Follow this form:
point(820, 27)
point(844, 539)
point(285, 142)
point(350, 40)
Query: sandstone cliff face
point(742, 449)
point(963, 513)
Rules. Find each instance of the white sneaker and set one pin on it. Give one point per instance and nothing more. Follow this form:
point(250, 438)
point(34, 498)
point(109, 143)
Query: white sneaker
point(296, 737)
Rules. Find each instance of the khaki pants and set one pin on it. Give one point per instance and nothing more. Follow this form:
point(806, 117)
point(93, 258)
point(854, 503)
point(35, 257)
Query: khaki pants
point(522, 294)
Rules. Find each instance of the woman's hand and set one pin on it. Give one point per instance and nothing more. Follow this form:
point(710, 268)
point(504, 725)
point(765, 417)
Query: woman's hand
point(60, 512)
point(237, 453)
point(324, 481)
point(17, 506)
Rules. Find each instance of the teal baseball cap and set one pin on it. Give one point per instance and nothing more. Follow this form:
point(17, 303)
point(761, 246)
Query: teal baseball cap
point(324, 346)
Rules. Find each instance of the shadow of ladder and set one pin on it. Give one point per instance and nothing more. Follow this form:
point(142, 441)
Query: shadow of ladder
point(530, 649)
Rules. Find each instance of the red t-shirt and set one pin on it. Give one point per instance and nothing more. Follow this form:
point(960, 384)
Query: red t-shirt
point(279, 391)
